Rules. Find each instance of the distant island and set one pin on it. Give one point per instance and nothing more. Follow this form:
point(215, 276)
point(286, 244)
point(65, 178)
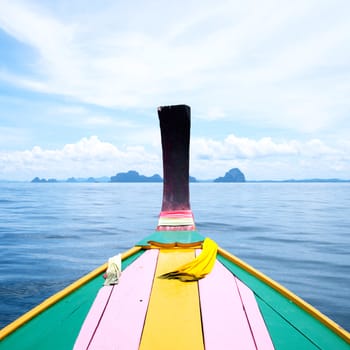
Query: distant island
point(134, 176)
point(300, 181)
point(72, 180)
point(130, 176)
point(234, 175)
point(38, 180)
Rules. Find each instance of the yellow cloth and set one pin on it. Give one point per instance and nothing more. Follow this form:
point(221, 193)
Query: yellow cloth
point(199, 267)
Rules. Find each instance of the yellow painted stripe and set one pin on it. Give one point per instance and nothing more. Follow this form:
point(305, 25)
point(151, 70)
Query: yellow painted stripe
point(58, 296)
point(173, 318)
point(288, 294)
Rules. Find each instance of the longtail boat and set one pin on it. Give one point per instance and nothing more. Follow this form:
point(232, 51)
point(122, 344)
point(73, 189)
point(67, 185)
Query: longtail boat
point(175, 289)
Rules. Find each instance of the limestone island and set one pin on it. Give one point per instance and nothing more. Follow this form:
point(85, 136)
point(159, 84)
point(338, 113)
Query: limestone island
point(233, 175)
point(134, 176)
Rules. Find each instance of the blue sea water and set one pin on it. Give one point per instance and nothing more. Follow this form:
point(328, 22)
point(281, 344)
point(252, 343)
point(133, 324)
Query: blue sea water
point(296, 233)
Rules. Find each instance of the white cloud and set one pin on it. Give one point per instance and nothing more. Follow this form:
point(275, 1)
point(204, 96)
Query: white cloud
point(233, 147)
point(74, 115)
point(24, 82)
point(88, 157)
point(258, 159)
point(271, 60)
point(268, 159)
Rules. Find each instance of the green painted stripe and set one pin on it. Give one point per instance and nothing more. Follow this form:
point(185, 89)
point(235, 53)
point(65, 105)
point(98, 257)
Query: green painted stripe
point(290, 326)
point(58, 326)
point(283, 334)
point(171, 237)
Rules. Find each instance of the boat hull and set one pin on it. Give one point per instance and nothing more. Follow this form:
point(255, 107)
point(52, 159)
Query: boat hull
point(290, 322)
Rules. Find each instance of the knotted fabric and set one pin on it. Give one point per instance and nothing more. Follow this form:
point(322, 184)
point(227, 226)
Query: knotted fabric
point(197, 268)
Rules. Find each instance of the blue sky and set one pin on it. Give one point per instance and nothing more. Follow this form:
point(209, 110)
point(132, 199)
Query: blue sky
point(268, 83)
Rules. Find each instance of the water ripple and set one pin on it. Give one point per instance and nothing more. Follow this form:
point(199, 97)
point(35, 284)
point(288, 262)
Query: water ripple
point(298, 234)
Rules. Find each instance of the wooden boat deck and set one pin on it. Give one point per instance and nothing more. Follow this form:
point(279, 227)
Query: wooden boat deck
point(117, 315)
point(218, 311)
point(56, 323)
point(173, 317)
point(230, 314)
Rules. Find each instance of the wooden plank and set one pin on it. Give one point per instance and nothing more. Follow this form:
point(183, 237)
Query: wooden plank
point(121, 324)
point(257, 325)
point(284, 335)
point(93, 318)
point(173, 318)
point(225, 325)
point(57, 327)
point(299, 330)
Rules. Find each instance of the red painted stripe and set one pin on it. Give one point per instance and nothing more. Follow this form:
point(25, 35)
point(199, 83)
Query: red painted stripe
point(177, 214)
point(121, 323)
point(176, 228)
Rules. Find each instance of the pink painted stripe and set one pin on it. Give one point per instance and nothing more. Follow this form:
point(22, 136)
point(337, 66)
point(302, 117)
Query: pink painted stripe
point(177, 214)
point(176, 228)
point(93, 318)
point(261, 335)
point(225, 325)
point(121, 324)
